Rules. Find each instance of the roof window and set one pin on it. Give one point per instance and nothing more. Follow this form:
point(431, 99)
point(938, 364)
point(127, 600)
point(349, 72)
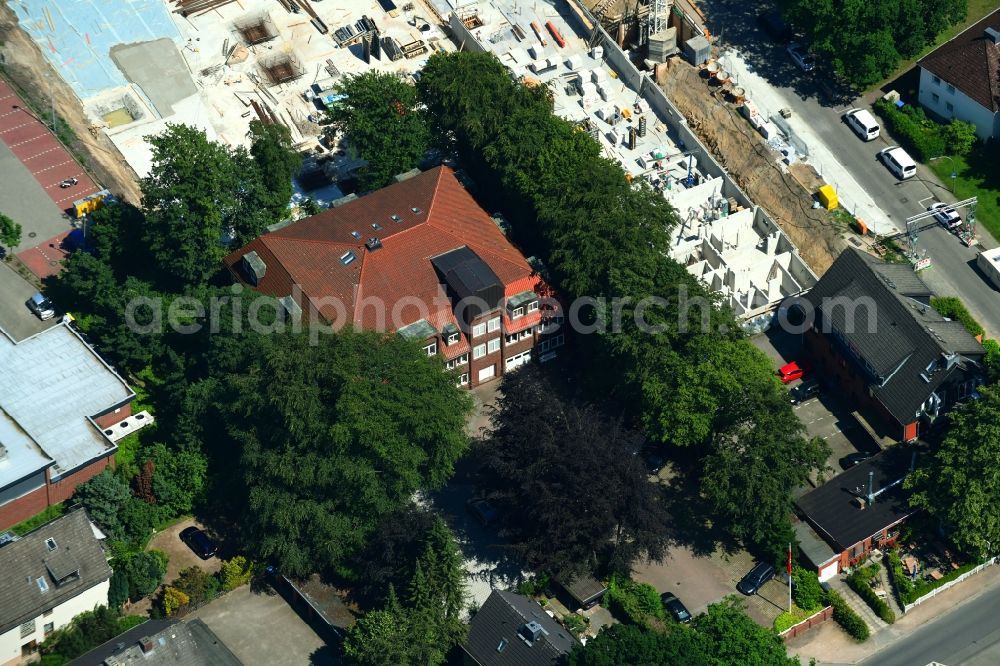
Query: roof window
point(395, 218)
point(376, 226)
point(415, 210)
point(50, 543)
point(348, 257)
point(356, 234)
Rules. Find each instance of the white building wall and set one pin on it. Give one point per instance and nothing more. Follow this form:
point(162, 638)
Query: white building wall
point(936, 96)
point(11, 642)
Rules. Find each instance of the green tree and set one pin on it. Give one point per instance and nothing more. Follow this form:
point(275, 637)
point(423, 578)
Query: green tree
point(199, 585)
point(960, 484)
point(621, 644)
point(178, 476)
point(145, 571)
point(381, 638)
point(118, 590)
point(992, 360)
point(436, 598)
point(806, 589)
point(959, 137)
point(736, 639)
point(197, 193)
point(277, 162)
point(10, 232)
point(87, 630)
point(331, 437)
point(381, 120)
point(104, 497)
point(236, 572)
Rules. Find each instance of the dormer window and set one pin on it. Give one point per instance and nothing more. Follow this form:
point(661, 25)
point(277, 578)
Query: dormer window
point(517, 313)
point(431, 349)
point(452, 339)
point(533, 306)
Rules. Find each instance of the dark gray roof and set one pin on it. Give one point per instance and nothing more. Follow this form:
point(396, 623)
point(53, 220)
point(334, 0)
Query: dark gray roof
point(834, 511)
point(468, 275)
point(584, 588)
point(176, 644)
point(893, 329)
point(812, 545)
point(325, 599)
point(24, 561)
point(496, 624)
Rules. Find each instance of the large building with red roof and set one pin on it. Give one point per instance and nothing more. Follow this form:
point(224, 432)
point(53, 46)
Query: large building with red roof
point(421, 258)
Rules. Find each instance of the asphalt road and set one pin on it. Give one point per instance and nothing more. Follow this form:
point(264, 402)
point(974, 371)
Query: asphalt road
point(953, 271)
point(969, 635)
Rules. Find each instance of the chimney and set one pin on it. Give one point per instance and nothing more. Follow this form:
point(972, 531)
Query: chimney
point(146, 643)
point(993, 35)
point(871, 481)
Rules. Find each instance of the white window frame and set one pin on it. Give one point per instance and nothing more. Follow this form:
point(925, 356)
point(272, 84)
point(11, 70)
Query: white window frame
point(493, 346)
point(517, 312)
point(493, 325)
point(512, 338)
point(457, 361)
point(478, 330)
point(452, 338)
point(28, 628)
point(479, 351)
point(432, 348)
point(463, 379)
point(532, 306)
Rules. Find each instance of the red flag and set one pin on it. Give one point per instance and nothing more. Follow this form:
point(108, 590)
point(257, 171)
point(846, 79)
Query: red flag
point(789, 559)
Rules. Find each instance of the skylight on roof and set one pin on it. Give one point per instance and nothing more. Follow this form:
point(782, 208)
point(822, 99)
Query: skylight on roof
point(395, 218)
point(43, 585)
point(356, 234)
point(415, 210)
point(348, 257)
point(50, 544)
point(376, 226)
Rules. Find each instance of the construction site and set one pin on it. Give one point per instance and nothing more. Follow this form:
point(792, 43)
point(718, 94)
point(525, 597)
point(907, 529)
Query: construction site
point(219, 64)
point(725, 237)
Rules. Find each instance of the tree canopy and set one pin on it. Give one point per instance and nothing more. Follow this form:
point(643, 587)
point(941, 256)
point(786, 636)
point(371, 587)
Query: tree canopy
point(381, 120)
point(332, 436)
point(567, 482)
point(277, 163)
point(960, 484)
point(10, 232)
point(870, 38)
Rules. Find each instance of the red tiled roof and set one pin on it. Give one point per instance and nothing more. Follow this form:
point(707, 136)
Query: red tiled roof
point(971, 63)
point(308, 252)
point(521, 323)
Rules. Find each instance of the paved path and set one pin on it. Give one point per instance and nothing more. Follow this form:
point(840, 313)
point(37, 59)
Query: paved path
point(829, 645)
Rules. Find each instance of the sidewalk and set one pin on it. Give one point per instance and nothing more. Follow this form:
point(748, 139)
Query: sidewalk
point(828, 644)
point(852, 194)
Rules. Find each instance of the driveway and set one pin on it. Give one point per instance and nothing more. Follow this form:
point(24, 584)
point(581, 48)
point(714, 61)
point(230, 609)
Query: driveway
point(261, 629)
point(16, 320)
point(825, 416)
point(181, 556)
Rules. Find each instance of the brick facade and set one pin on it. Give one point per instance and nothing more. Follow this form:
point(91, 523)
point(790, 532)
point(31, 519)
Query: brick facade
point(62, 489)
point(113, 416)
point(24, 507)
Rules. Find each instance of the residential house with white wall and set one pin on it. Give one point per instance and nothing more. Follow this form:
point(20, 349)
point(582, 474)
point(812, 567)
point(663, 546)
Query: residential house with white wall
point(961, 78)
point(47, 577)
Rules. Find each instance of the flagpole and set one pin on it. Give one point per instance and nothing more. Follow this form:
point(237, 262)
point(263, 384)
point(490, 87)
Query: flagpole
point(789, 577)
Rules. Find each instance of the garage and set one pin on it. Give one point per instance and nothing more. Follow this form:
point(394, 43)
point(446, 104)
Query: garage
point(487, 373)
point(517, 360)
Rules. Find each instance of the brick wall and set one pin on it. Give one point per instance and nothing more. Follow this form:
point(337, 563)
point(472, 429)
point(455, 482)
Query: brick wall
point(23, 507)
point(61, 490)
point(113, 416)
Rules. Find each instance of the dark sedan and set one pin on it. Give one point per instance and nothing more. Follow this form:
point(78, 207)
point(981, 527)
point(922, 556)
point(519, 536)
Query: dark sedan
point(199, 542)
point(674, 606)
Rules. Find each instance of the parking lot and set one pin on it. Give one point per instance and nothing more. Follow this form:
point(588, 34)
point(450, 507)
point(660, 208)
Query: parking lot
point(15, 318)
point(824, 416)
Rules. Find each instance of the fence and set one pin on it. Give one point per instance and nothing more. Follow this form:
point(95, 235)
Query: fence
point(937, 590)
point(808, 623)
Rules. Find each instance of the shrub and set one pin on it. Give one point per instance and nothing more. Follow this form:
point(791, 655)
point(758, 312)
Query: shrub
point(118, 589)
point(534, 586)
point(845, 616)
point(127, 622)
point(173, 600)
point(916, 132)
point(908, 591)
point(859, 582)
point(198, 584)
point(953, 308)
point(236, 572)
point(145, 572)
point(901, 583)
point(634, 603)
point(806, 590)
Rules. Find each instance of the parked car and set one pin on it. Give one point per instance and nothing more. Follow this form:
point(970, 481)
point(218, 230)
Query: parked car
point(199, 542)
point(898, 161)
point(755, 578)
point(772, 23)
point(949, 219)
point(41, 306)
point(484, 512)
point(792, 371)
point(801, 57)
point(69, 182)
point(804, 391)
point(863, 123)
point(852, 459)
point(674, 606)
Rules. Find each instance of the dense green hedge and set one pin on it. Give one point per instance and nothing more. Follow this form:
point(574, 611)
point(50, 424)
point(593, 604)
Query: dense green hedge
point(859, 582)
point(845, 616)
point(924, 137)
point(953, 308)
point(632, 602)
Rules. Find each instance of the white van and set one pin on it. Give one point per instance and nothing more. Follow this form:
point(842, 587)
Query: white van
point(863, 123)
point(898, 162)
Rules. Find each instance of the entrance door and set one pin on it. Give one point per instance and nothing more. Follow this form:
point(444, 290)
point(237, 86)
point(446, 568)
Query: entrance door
point(487, 373)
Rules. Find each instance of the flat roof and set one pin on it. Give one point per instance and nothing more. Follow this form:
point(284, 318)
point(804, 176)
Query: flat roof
point(53, 384)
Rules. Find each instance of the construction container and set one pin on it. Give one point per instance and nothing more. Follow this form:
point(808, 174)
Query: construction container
point(828, 197)
point(697, 50)
point(90, 203)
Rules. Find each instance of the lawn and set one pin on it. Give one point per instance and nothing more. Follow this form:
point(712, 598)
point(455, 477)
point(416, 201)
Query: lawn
point(977, 175)
point(977, 10)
